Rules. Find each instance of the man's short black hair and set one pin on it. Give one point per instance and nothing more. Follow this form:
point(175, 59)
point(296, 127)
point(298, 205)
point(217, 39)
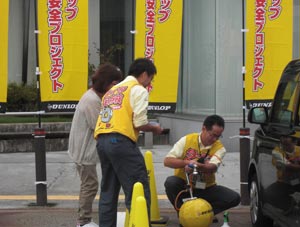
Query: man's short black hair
point(212, 120)
point(141, 65)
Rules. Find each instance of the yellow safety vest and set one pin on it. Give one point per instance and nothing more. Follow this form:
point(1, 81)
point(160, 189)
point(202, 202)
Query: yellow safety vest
point(192, 151)
point(116, 114)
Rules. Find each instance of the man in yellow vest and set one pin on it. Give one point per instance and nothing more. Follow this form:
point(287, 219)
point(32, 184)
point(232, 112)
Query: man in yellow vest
point(123, 115)
point(196, 158)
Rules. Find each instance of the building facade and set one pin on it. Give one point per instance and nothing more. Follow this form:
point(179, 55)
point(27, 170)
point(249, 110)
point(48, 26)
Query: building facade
point(210, 77)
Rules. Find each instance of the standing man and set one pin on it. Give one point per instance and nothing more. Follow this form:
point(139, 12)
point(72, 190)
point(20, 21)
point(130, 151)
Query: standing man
point(122, 116)
point(202, 152)
point(82, 145)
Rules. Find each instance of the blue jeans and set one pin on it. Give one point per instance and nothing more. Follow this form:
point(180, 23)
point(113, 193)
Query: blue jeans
point(122, 164)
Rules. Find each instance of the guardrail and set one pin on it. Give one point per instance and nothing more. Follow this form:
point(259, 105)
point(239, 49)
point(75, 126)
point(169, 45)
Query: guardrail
point(30, 135)
point(9, 134)
point(146, 139)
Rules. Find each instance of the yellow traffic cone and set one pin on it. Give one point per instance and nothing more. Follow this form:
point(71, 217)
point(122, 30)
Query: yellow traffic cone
point(155, 217)
point(141, 217)
point(138, 190)
point(127, 217)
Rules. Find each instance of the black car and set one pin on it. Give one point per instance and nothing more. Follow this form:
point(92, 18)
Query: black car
point(274, 168)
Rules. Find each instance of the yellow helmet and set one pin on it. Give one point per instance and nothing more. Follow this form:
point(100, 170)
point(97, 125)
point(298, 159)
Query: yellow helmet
point(196, 213)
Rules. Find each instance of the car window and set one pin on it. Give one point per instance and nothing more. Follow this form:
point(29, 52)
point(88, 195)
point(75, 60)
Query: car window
point(286, 101)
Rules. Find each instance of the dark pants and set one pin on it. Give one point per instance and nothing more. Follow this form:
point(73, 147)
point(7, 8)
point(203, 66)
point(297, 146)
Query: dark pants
point(219, 197)
point(122, 164)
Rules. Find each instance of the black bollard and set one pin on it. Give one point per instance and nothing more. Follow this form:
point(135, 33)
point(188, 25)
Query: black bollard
point(244, 163)
point(40, 166)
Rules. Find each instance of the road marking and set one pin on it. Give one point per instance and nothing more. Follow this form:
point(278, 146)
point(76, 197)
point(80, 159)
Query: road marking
point(60, 197)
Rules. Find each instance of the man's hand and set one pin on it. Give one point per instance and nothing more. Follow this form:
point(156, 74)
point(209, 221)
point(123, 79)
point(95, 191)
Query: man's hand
point(150, 127)
point(189, 168)
point(157, 129)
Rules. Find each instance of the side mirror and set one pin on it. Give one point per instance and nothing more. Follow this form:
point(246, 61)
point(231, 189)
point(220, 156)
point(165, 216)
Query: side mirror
point(258, 115)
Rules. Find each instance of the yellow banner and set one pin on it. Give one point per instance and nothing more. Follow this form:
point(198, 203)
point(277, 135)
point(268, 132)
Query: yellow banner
point(158, 29)
point(63, 53)
point(269, 43)
point(4, 12)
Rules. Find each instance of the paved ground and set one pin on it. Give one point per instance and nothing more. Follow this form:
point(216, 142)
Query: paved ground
point(65, 217)
point(18, 191)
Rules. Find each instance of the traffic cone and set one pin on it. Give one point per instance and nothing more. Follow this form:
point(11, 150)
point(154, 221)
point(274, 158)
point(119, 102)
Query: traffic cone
point(140, 218)
point(138, 190)
point(127, 217)
point(155, 217)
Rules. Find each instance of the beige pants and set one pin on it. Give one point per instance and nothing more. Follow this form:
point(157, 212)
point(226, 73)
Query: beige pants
point(88, 190)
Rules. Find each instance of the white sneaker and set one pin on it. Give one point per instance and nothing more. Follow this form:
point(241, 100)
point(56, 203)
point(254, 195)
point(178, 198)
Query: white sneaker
point(91, 224)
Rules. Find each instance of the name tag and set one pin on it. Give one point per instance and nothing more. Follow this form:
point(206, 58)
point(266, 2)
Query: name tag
point(200, 184)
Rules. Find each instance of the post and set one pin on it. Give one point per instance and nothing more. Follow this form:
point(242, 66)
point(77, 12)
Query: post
point(244, 163)
point(148, 140)
point(40, 166)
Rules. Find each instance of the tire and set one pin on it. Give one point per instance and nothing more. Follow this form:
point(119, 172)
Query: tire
point(258, 219)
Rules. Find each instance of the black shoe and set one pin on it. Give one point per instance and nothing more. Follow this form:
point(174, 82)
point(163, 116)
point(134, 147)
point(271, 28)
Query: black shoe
point(215, 219)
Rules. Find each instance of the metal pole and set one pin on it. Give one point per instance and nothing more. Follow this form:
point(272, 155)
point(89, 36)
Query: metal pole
point(37, 71)
point(26, 11)
point(244, 132)
point(40, 166)
point(243, 57)
point(244, 163)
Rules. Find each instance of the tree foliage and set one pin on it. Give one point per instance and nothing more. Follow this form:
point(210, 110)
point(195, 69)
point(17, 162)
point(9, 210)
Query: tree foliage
point(21, 97)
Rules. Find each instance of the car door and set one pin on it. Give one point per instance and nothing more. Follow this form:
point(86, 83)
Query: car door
point(282, 183)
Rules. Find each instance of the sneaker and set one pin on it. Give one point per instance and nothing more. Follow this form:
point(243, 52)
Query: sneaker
point(91, 224)
point(215, 219)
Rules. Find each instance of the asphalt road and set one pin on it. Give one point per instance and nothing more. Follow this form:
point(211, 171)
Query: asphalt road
point(18, 190)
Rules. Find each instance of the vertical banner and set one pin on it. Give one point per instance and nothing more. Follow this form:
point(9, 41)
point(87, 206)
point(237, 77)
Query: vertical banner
point(268, 48)
point(63, 53)
point(4, 14)
point(158, 27)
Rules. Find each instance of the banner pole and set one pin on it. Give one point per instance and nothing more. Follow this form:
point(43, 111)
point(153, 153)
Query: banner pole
point(39, 134)
point(37, 71)
point(243, 71)
point(244, 132)
point(25, 41)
